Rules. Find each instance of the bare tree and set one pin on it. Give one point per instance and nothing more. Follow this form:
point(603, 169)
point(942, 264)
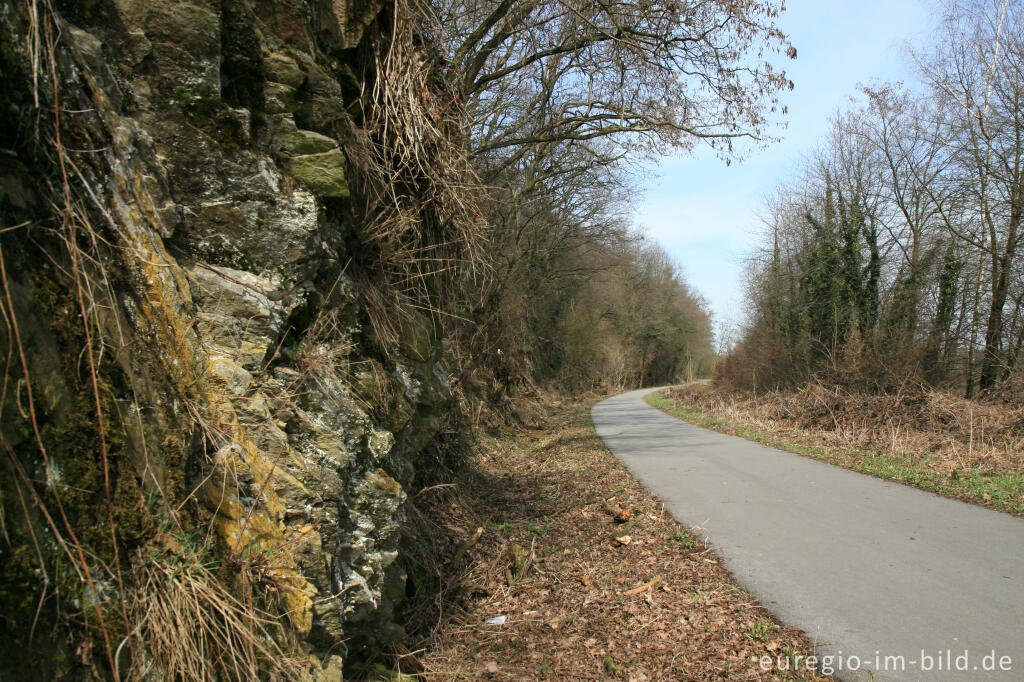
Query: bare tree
point(935, 184)
point(542, 71)
point(978, 76)
point(563, 98)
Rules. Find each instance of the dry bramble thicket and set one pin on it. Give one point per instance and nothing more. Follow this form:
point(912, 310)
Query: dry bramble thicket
point(956, 446)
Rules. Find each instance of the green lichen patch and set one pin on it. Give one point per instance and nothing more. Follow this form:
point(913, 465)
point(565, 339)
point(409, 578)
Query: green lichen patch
point(300, 142)
point(324, 173)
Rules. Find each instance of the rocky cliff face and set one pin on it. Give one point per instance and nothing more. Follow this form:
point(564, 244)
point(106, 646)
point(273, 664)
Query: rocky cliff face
point(193, 384)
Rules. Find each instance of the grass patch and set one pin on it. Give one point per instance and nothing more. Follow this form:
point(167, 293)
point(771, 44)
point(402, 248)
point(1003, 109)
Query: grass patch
point(683, 539)
point(661, 400)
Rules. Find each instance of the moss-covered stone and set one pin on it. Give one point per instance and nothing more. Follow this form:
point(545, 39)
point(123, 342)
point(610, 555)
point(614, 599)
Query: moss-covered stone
point(291, 141)
point(280, 68)
point(280, 98)
point(228, 127)
point(324, 173)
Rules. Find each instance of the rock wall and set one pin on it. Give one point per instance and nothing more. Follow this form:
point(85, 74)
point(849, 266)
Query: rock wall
point(184, 262)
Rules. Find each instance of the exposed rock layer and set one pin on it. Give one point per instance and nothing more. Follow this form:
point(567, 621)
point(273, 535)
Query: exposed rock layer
point(207, 147)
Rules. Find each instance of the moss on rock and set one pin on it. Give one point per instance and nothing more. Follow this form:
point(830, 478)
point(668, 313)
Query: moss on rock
point(324, 173)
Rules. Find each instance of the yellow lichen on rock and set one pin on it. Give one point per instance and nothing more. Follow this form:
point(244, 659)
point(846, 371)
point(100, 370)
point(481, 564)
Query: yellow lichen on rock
point(208, 153)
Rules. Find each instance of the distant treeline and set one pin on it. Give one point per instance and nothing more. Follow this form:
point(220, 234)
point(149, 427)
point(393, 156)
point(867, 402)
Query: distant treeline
point(895, 255)
point(581, 311)
point(561, 102)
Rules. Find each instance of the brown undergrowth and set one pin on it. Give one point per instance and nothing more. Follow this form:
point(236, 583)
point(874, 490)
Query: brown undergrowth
point(931, 439)
point(592, 576)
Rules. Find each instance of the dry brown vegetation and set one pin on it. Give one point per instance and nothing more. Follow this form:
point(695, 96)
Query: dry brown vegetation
point(195, 629)
point(594, 578)
point(930, 438)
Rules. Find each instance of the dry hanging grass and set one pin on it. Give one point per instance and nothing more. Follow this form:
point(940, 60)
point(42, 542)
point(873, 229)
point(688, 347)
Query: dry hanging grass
point(81, 266)
point(161, 616)
point(422, 227)
point(190, 627)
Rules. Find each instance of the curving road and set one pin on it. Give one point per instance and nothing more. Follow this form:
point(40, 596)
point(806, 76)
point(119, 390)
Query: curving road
point(871, 570)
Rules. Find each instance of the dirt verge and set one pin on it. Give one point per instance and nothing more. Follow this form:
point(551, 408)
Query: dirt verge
point(568, 569)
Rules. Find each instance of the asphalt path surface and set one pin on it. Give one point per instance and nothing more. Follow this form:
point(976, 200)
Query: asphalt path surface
point(871, 570)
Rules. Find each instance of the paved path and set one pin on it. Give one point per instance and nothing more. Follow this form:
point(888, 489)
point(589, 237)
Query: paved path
point(860, 564)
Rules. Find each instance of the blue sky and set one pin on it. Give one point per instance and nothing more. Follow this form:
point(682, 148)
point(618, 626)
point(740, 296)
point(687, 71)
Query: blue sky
point(706, 214)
